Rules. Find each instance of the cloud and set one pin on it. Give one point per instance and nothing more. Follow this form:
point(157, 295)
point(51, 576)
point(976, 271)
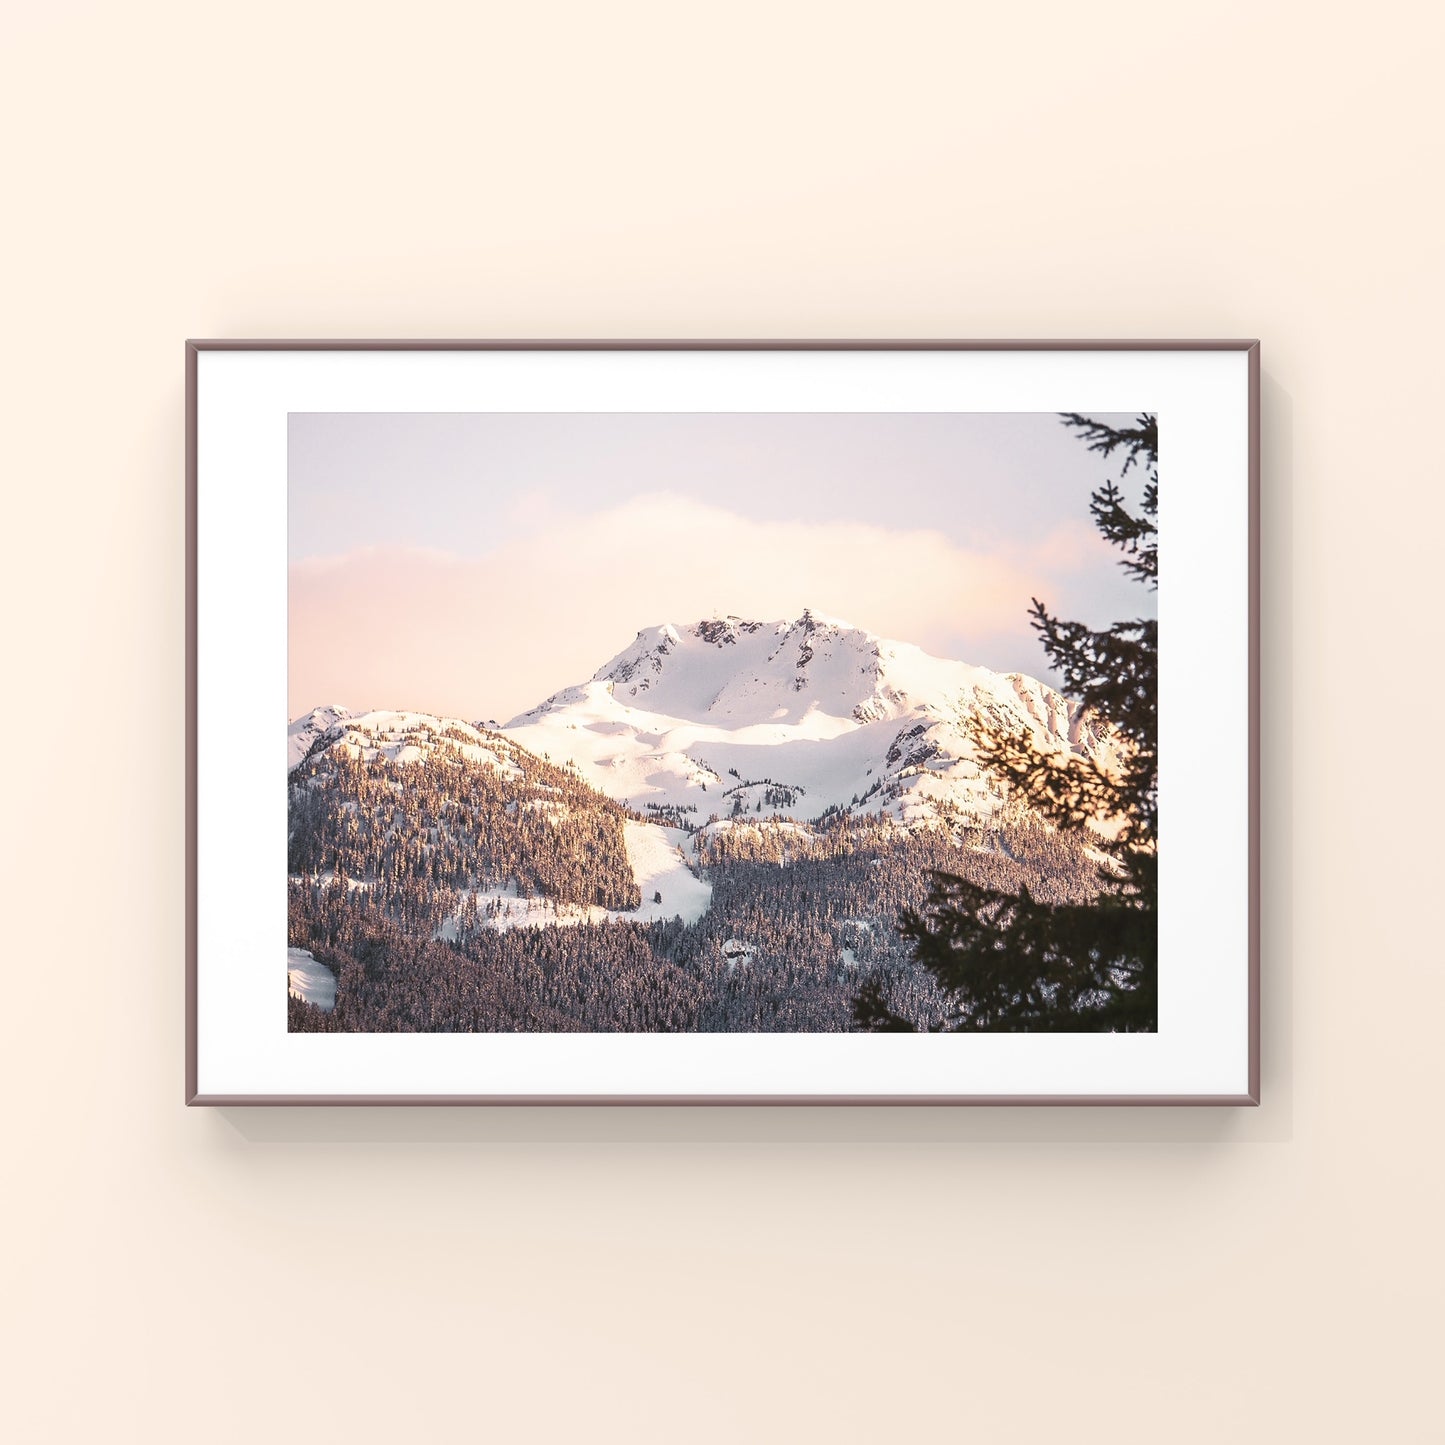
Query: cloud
point(489, 636)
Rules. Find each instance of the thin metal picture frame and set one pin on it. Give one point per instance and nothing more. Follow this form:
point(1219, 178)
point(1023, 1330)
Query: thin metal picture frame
point(193, 1096)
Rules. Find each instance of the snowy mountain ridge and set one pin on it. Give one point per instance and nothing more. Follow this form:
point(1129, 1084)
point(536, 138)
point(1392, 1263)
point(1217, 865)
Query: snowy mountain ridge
point(744, 718)
point(748, 720)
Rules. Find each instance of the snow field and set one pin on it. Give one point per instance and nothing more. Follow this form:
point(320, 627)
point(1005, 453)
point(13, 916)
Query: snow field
point(307, 979)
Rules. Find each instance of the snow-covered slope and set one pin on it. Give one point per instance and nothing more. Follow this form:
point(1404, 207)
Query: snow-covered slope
point(747, 719)
point(302, 733)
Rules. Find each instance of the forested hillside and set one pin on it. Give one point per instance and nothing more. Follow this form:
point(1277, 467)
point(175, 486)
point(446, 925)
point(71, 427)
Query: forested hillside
point(402, 862)
point(419, 817)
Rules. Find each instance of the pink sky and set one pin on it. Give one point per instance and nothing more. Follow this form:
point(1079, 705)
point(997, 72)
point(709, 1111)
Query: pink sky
point(468, 582)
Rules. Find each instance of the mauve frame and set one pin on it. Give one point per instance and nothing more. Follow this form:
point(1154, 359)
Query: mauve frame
point(193, 1096)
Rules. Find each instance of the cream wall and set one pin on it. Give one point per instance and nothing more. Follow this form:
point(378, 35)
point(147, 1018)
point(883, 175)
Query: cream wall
point(750, 170)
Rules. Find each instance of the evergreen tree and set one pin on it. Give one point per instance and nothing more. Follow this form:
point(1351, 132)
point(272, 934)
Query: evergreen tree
point(1010, 961)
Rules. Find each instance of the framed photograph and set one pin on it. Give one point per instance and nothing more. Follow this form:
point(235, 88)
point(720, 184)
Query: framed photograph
point(722, 722)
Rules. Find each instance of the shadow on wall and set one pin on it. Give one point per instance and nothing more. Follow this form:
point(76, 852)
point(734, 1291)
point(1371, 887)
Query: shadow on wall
point(761, 1126)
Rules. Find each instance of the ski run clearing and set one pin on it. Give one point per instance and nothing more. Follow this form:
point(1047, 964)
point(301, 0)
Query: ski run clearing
point(657, 864)
point(670, 889)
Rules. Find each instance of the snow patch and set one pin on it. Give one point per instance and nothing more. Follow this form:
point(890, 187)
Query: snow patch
point(309, 980)
point(738, 953)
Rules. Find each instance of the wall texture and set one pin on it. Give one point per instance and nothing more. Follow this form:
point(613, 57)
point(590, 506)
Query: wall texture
point(754, 170)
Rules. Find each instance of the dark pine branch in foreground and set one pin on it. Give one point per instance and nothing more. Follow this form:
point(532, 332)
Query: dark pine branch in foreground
point(1014, 962)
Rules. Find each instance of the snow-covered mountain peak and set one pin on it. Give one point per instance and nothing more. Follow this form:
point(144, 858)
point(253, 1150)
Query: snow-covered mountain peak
point(815, 621)
point(795, 717)
point(742, 672)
